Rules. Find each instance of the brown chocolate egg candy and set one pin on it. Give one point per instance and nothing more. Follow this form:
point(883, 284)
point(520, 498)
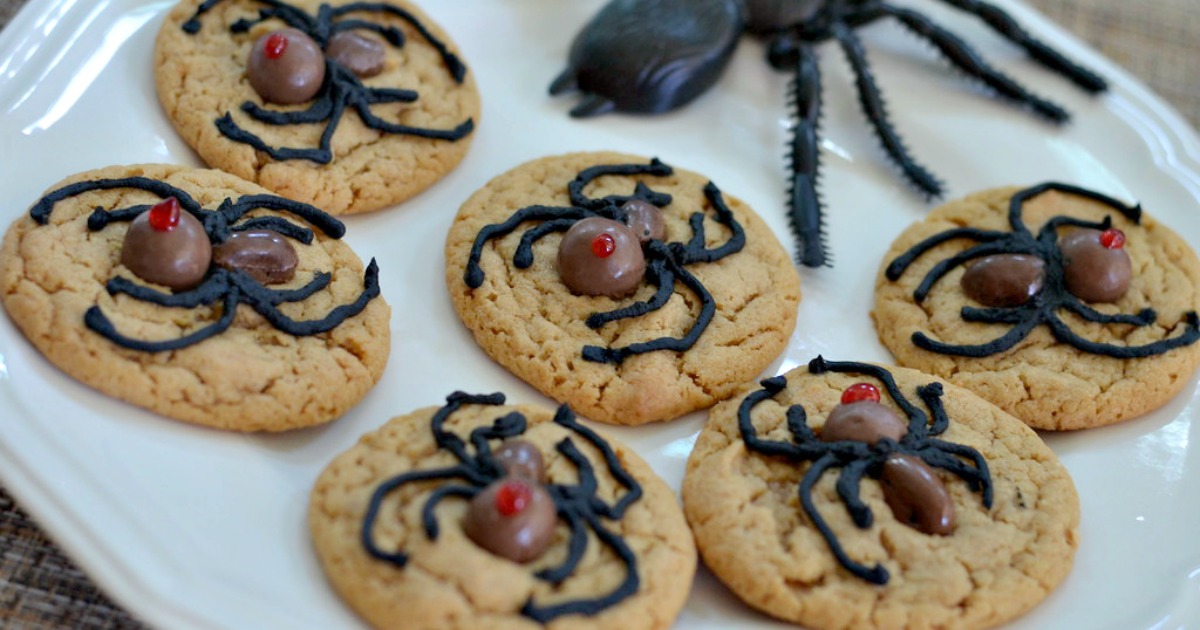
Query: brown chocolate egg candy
point(286, 67)
point(645, 219)
point(600, 256)
point(1004, 280)
point(266, 255)
point(916, 494)
point(513, 518)
point(520, 458)
point(863, 421)
point(1094, 271)
point(168, 246)
point(359, 54)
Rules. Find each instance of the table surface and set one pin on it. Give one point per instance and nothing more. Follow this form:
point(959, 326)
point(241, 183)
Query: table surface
point(1156, 41)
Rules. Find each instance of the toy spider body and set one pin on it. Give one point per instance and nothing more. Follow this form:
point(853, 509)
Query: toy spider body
point(342, 89)
point(576, 504)
point(793, 27)
point(666, 263)
point(226, 287)
point(857, 459)
point(1044, 307)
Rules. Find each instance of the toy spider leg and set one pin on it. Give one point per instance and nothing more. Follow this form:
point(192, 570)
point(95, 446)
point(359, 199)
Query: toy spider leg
point(577, 505)
point(229, 288)
point(1044, 307)
point(666, 263)
point(858, 459)
point(342, 89)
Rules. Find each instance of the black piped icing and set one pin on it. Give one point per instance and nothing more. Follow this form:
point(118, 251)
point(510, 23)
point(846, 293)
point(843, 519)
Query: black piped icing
point(666, 263)
point(858, 459)
point(577, 504)
point(342, 89)
point(1043, 308)
point(220, 286)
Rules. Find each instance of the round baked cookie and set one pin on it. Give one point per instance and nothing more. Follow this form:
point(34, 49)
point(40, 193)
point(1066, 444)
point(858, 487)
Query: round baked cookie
point(367, 513)
point(1066, 372)
point(761, 483)
point(183, 353)
point(659, 352)
point(201, 62)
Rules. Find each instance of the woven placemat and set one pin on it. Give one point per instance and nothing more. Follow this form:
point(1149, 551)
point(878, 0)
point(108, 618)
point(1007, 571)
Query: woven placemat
point(1156, 41)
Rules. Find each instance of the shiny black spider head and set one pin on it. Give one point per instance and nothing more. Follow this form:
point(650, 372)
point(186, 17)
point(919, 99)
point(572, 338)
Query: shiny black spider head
point(223, 286)
point(341, 88)
point(902, 462)
point(665, 262)
point(476, 468)
point(1057, 289)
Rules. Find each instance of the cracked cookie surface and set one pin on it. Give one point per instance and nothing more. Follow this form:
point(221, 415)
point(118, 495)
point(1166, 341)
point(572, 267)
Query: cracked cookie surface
point(201, 77)
point(451, 583)
point(745, 512)
point(1047, 384)
point(528, 321)
point(251, 377)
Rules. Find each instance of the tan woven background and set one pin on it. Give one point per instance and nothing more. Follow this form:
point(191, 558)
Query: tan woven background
point(1158, 41)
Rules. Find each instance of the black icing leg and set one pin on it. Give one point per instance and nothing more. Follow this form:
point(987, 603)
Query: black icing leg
point(873, 106)
point(874, 575)
point(847, 487)
point(959, 53)
point(1003, 23)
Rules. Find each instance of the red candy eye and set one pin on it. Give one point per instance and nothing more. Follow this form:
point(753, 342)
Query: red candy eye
point(604, 245)
point(165, 216)
point(859, 392)
point(512, 498)
point(1112, 238)
point(276, 45)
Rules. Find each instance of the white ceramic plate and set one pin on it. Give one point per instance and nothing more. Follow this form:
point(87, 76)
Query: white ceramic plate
point(191, 528)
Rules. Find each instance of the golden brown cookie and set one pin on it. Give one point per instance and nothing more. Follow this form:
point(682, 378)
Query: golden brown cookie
point(715, 305)
point(245, 348)
point(1050, 358)
point(838, 533)
point(384, 146)
point(390, 520)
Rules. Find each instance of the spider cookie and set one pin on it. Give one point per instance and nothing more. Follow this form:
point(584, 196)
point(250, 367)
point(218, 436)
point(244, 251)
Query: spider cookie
point(629, 289)
point(1064, 307)
point(196, 295)
point(351, 106)
point(485, 515)
point(849, 495)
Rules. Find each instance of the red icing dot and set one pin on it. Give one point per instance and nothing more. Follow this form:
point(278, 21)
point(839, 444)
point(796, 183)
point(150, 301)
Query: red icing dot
point(859, 392)
point(1112, 238)
point(604, 245)
point(165, 216)
point(276, 45)
point(513, 497)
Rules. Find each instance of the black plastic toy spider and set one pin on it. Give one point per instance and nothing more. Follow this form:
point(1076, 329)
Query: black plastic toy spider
point(229, 287)
point(858, 459)
point(655, 55)
point(1054, 296)
point(577, 505)
point(666, 263)
point(342, 89)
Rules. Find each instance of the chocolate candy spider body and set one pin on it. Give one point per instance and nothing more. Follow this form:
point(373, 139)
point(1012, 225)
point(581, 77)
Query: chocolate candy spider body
point(226, 287)
point(577, 505)
point(684, 45)
point(342, 88)
point(666, 262)
point(1053, 295)
point(857, 458)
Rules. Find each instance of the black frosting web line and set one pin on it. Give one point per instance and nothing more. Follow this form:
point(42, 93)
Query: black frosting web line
point(858, 459)
point(576, 504)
